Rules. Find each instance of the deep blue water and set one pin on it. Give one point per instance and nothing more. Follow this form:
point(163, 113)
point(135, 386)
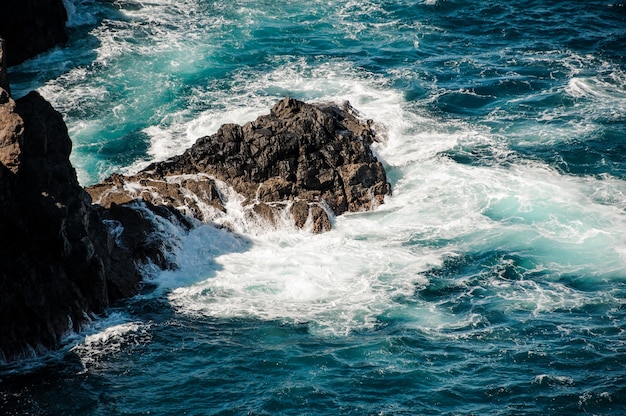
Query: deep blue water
point(492, 282)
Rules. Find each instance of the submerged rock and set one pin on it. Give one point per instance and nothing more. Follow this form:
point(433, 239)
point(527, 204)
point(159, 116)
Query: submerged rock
point(312, 160)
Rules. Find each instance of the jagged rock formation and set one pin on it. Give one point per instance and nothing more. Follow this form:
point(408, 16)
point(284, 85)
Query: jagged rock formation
point(59, 261)
point(31, 27)
point(50, 271)
point(301, 157)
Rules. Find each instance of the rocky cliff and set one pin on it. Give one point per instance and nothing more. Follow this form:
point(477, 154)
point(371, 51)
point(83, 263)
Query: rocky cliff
point(59, 262)
point(51, 274)
point(31, 27)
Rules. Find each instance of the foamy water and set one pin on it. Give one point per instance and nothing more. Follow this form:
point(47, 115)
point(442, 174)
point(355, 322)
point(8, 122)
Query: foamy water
point(492, 280)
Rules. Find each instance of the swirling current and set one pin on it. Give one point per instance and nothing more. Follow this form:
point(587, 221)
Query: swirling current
point(492, 281)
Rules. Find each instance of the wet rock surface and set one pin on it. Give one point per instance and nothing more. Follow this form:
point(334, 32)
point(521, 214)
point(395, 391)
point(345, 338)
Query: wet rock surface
point(313, 160)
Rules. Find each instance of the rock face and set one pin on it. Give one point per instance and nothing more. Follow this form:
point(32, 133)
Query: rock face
point(311, 160)
point(60, 262)
point(4, 79)
point(50, 270)
point(31, 27)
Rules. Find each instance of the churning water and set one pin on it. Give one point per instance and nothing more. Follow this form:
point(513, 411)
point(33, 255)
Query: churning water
point(492, 282)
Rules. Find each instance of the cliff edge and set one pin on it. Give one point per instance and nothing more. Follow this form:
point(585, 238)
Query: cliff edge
point(51, 273)
point(60, 265)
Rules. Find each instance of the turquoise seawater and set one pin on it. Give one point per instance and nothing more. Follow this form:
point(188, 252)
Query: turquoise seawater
point(492, 281)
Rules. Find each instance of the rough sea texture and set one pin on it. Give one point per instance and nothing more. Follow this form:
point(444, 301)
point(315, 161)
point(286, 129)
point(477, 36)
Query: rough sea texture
point(492, 282)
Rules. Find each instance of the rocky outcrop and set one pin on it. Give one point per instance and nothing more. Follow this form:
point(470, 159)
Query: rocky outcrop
point(312, 160)
point(60, 262)
point(31, 27)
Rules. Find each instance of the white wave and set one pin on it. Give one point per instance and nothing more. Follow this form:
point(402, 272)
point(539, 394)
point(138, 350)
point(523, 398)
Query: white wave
point(551, 380)
point(109, 336)
point(598, 89)
point(289, 274)
point(80, 12)
point(334, 284)
point(606, 92)
point(252, 94)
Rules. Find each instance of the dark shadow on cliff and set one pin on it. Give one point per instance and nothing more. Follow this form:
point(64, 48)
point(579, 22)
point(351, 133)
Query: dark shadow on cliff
point(64, 260)
point(31, 27)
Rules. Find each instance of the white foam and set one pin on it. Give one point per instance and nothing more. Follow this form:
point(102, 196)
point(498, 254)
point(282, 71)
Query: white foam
point(359, 273)
point(81, 15)
point(551, 380)
point(333, 81)
point(108, 337)
point(365, 269)
point(607, 92)
point(334, 284)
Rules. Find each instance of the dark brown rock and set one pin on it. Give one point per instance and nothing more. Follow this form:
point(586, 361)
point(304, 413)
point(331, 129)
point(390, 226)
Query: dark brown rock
point(11, 133)
point(63, 260)
point(192, 195)
point(316, 155)
point(51, 273)
point(138, 244)
point(300, 213)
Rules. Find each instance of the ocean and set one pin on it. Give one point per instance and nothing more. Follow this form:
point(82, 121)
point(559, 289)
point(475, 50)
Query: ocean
point(491, 282)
